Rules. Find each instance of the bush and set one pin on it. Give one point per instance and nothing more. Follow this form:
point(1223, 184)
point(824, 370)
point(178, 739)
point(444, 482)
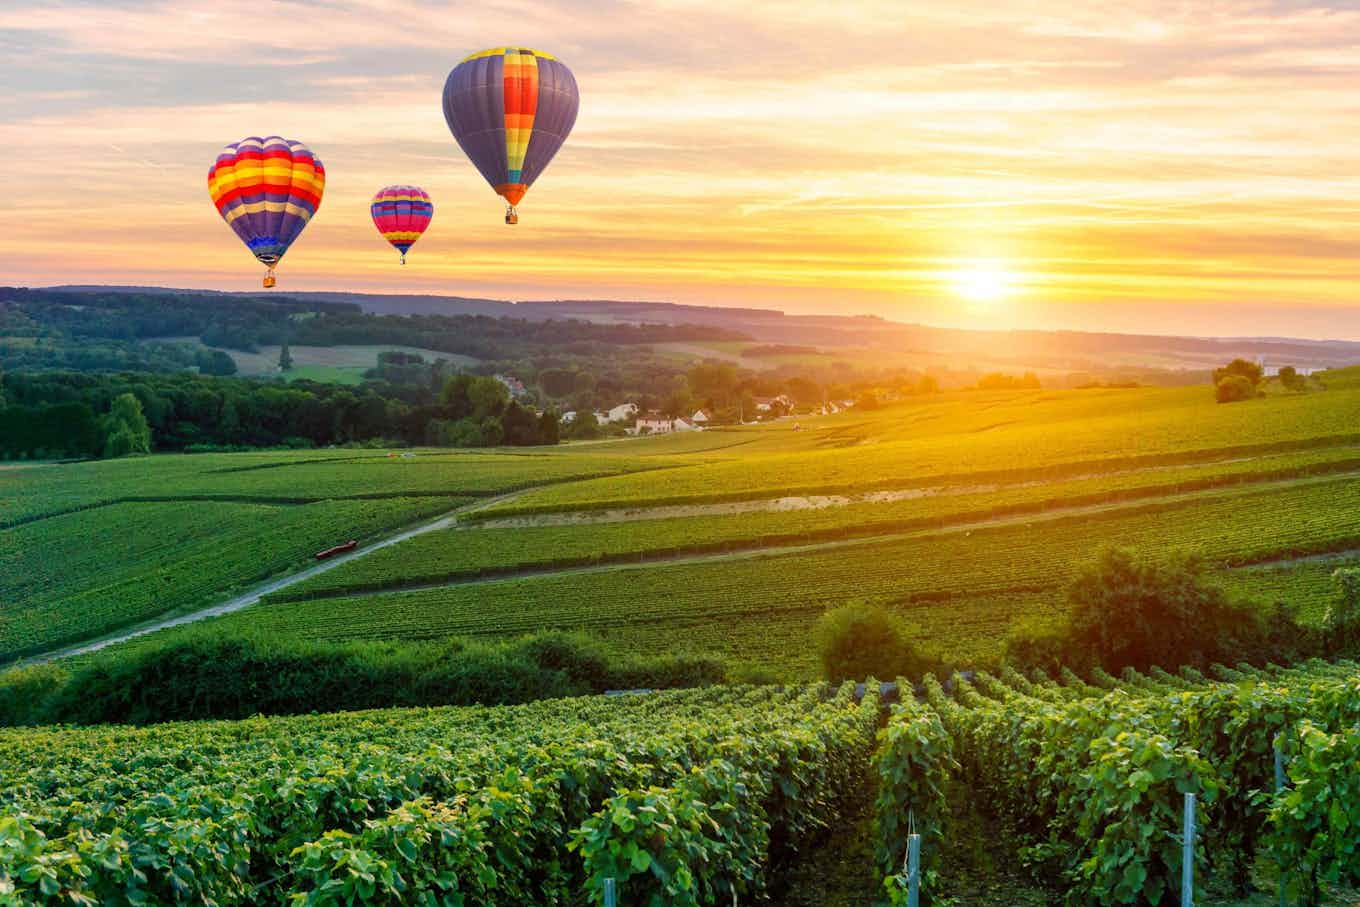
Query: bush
point(1132, 611)
point(1044, 643)
point(1234, 388)
point(858, 640)
point(199, 676)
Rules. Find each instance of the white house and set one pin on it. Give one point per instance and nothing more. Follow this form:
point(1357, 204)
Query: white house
point(685, 425)
point(568, 416)
point(621, 413)
point(654, 425)
point(700, 417)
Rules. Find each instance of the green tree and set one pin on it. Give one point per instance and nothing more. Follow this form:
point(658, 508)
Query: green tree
point(1290, 379)
point(1234, 388)
point(285, 357)
point(125, 428)
point(1133, 611)
point(582, 426)
point(557, 382)
point(858, 640)
point(1341, 620)
point(1241, 368)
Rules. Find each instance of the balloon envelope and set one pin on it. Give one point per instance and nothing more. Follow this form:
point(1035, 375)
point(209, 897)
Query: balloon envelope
point(267, 189)
point(401, 214)
point(510, 109)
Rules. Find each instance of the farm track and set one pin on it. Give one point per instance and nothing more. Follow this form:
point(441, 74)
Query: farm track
point(736, 551)
point(257, 592)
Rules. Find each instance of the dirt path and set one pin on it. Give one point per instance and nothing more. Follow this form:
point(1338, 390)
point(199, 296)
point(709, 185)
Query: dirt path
point(254, 594)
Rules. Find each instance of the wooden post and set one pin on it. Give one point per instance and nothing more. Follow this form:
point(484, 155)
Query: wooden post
point(609, 893)
point(1188, 854)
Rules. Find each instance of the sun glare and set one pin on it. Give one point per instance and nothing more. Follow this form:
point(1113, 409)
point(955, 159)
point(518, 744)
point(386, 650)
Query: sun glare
point(983, 282)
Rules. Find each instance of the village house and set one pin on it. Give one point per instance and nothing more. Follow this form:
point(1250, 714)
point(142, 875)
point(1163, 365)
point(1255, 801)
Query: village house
point(654, 423)
point(621, 413)
point(700, 417)
point(513, 385)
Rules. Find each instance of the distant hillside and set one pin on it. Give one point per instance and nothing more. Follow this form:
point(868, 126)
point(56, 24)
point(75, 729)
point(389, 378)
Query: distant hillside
point(1049, 350)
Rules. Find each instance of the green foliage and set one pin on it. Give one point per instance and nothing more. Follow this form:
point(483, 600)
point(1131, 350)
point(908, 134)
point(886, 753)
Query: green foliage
point(913, 763)
point(1315, 823)
point(1251, 372)
point(1139, 611)
point(1234, 388)
point(494, 807)
point(1341, 622)
point(861, 640)
point(200, 675)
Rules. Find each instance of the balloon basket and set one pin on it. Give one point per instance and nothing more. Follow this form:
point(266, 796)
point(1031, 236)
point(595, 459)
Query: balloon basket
point(511, 216)
point(269, 279)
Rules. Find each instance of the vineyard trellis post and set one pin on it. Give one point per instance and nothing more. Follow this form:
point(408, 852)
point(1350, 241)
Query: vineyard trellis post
point(1279, 786)
point(609, 896)
point(1188, 854)
point(913, 870)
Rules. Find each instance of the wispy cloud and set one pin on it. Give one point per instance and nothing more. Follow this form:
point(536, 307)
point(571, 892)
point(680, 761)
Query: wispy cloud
point(1138, 162)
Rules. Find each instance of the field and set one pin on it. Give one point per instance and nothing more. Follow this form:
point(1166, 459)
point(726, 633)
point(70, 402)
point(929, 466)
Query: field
point(963, 511)
point(88, 548)
point(341, 364)
point(728, 794)
point(484, 806)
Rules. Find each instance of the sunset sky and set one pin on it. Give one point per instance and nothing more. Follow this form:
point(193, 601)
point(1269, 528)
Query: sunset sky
point(1186, 167)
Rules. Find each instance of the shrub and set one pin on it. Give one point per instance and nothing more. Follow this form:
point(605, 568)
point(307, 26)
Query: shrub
point(1234, 388)
point(1132, 611)
point(858, 640)
point(1045, 643)
point(199, 676)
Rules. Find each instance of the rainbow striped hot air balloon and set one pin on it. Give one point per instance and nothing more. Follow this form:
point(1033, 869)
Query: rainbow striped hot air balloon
point(510, 109)
point(267, 190)
point(401, 214)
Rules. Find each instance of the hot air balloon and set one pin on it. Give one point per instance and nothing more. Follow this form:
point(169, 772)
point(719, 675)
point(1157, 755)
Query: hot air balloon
point(401, 214)
point(510, 110)
point(266, 190)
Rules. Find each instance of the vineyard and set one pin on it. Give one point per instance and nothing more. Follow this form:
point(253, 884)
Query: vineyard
point(704, 796)
point(762, 607)
point(1093, 778)
point(78, 575)
point(89, 548)
point(981, 437)
point(486, 549)
point(680, 798)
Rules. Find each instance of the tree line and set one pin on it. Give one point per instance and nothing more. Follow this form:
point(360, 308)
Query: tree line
point(48, 415)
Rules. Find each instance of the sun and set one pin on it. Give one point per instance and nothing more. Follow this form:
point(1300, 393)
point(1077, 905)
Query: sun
point(983, 281)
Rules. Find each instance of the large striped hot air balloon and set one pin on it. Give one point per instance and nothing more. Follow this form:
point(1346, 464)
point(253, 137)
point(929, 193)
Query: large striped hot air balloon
point(510, 110)
point(266, 190)
point(401, 214)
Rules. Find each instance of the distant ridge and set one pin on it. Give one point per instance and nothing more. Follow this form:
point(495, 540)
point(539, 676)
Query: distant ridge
point(1071, 350)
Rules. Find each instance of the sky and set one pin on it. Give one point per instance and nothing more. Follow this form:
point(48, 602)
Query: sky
point(1151, 167)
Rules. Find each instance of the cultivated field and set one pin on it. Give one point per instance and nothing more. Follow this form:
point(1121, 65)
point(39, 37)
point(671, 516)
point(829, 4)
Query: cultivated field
point(963, 511)
point(710, 796)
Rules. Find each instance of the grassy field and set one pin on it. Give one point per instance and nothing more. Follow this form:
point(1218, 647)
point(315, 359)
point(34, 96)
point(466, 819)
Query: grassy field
point(964, 511)
point(340, 364)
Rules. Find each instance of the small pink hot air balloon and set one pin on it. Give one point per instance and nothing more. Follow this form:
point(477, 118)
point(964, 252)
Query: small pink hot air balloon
point(401, 214)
